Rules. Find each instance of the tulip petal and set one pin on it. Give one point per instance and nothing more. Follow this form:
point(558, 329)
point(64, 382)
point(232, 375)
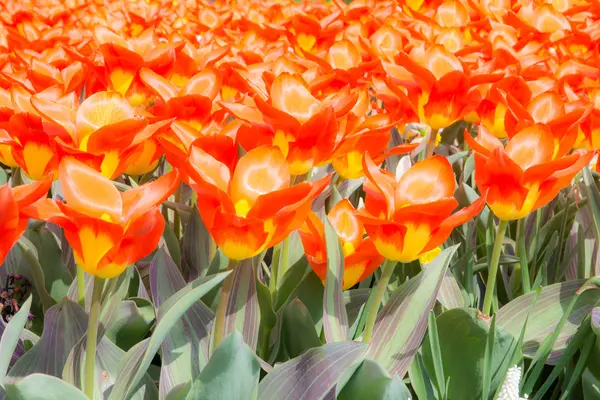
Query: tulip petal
point(290, 95)
point(88, 192)
point(425, 182)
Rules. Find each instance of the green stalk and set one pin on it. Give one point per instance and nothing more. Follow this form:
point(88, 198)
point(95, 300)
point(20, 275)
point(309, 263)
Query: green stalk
point(275, 269)
point(80, 286)
point(375, 300)
point(221, 314)
point(177, 218)
point(493, 270)
point(284, 256)
point(92, 337)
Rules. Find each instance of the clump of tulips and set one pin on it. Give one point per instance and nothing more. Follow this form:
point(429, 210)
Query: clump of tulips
point(261, 199)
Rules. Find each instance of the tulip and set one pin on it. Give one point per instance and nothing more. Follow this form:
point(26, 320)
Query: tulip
point(108, 230)
point(519, 178)
point(303, 127)
point(13, 221)
point(104, 125)
point(248, 205)
point(360, 255)
point(524, 175)
point(410, 215)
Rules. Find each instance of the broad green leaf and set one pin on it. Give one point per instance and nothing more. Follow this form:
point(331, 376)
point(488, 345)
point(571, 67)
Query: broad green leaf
point(290, 281)
point(64, 325)
point(195, 245)
point(185, 350)
point(179, 392)
point(299, 332)
point(172, 244)
point(36, 273)
point(56, 274)
point(335, 319)
point(402, 322)
point(450, 294)
point(371, 381)
point(232, 373)
point(40, 386)
point(355, 301)
point(312, 375)
point(138, 358)
point(243, 312)
point(132, 322)
point(548, 311)
point(108, 359)
point(11, 338)
point(463, 335)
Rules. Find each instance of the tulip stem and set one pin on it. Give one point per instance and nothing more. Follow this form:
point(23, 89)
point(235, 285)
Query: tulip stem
point(80, 286)
point(92, 337)
point(493, 270)
point(376, 297)
point(221, 314)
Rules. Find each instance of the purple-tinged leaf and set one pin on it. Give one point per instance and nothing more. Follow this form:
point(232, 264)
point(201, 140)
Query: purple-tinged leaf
point(335, 319)
point(548, 311)
point(401, 324)
point(138, 358)
point(243, 311)
point(184, 351)
point(64, 325)
point(595, 320)
point(195, 248)
point(313, 375)
point(450, 294)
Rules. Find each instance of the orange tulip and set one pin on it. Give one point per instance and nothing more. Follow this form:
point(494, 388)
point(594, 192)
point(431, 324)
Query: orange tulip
point(411, 216)
point(248, 205)
point(303, 127)
point(372, 137)
point(525, 174)
point(192, 104)
point(107, 229)
point(106, 125)
point(13, 221)
point(360, 255)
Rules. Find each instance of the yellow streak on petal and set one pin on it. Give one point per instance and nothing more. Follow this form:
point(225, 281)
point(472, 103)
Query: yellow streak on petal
point(242, 207)
point(94, 246)
point(36, 159)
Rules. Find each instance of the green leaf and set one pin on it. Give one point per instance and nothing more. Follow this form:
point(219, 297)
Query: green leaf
point(39, 386)
point(436, 356)
point(185, 351)
point(56, 274)
point(290, 281)
point(195, 245)
point(64, 325)
point(312, 375)
point(371, 381)
point(179, 392)
point(548, 311)
point(594, 198)
point(243, 311)
point(132, 322)
point(463, 334)
point(590, 385)
point(35, 271)
point(299, 332)
point(402, 322)
point(335, 320)
point(172, 244)
point(232, 372)
point(108, 359)
point(11, 337)
point(138, 358)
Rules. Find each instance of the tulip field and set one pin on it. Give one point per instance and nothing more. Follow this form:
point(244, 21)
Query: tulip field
point(299, 200)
